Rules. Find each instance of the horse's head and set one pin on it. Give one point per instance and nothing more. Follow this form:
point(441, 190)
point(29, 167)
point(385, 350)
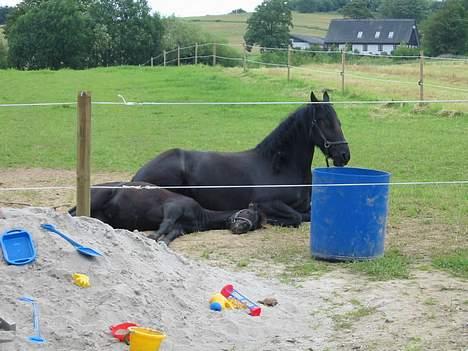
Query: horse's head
point(246, 220)
point(327, 133)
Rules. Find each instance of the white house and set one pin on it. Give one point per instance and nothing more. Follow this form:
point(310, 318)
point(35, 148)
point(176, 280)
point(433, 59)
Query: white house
point(372, 36)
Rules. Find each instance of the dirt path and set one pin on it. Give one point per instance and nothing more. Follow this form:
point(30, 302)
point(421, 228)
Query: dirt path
point(429, 311)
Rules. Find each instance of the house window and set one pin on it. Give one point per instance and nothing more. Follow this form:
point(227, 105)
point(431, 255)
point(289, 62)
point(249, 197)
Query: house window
point(390, 35)
point(380, 47)
point(364, 47)
point(377, 35)
point(359, 35)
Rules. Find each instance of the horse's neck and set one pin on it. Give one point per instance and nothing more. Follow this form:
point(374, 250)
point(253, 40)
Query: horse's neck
point(290, 143)
point(215, 219)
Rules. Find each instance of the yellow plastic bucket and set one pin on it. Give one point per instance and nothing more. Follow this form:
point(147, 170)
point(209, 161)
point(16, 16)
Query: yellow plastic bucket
point(145, 339)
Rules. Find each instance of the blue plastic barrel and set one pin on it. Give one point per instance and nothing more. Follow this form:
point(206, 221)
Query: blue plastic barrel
point(348, 222)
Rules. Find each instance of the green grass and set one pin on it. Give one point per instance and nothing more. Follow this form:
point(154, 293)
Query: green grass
point(346, 320)
point(232, 27)
point(392, 265)
point(303, 268)
point(455, 263)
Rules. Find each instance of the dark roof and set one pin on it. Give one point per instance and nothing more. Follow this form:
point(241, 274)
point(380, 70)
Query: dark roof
point(346, 31)
point(307, 38)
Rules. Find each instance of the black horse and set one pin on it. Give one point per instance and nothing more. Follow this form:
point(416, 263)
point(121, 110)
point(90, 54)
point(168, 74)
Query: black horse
point(129, 205)
point(283, 157)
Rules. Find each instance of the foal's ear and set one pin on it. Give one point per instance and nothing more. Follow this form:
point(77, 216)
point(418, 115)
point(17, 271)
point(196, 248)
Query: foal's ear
point(312, 97)
point(326, 98)
point(253, 206)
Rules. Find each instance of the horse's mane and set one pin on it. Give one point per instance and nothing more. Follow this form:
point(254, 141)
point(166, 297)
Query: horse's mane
point(291, 130)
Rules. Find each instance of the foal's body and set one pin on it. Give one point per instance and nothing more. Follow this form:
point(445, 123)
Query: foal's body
point(143, 209)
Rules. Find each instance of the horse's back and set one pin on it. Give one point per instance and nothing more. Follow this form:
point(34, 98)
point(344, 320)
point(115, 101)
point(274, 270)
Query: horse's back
point(165, 169)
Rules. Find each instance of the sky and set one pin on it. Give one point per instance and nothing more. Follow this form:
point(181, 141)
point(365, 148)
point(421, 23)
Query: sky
point(184, 8)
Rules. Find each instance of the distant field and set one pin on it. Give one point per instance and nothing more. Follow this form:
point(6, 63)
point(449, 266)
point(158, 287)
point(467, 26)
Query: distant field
point(232, 27)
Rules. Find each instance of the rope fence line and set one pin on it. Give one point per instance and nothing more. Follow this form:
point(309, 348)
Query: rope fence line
point(312, 70)
point(331, 185)
point(419, 82)
point(444, 87)
point(352, 53)
point(195, 103)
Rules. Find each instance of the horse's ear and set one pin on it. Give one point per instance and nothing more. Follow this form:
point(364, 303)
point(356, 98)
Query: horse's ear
point(312, 97)
point(326, 98)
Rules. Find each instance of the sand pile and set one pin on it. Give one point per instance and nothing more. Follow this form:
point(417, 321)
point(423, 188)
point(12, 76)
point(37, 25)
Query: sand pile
point(142, 281)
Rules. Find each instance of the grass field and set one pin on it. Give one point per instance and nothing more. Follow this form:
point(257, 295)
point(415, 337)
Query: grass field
point(423, 146)
point(232, 27)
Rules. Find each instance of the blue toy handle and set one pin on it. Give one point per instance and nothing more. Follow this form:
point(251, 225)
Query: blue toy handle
point(52, 229)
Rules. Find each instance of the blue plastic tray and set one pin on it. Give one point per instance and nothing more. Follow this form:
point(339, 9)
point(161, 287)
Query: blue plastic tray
point(18, 247)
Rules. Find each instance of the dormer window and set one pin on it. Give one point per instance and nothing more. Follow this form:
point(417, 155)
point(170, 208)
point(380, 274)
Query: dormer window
point(359, 35)
point(390, 35)
point(377, 35)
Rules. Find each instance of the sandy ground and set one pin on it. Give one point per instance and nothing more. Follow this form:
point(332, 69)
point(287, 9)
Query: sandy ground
point(169, 288)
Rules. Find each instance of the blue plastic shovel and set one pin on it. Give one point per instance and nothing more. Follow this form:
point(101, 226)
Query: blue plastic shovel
point(87, 251)
point(36, 338)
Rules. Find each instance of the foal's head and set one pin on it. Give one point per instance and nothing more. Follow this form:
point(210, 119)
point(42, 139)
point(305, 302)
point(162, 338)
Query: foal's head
point(326, 131)
point(246, 220)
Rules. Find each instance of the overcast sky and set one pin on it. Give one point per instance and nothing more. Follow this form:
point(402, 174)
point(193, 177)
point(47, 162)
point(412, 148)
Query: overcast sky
point(183, 8)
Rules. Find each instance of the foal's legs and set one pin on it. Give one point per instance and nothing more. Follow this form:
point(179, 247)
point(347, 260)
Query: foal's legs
point(278, 213)
point(168, 225)
point(174, 233)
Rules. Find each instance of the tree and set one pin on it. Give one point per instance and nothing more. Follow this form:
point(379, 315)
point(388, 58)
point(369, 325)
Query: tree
point(4, 12)
point(357, 9)
point(53, 34)
point(309, 6)
point(238, 11)
point(374, 5)
point(446, 31)
point(125, 32)
point(417, 9)
point(82, 33)
point(3, 54)
point(269, 25)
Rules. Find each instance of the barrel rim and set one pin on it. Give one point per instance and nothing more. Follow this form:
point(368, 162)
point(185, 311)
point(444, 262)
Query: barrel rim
point(347, 171)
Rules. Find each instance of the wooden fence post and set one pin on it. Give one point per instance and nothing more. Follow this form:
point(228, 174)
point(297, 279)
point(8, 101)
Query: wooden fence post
point(152, 58)
point(343, 61)
point(289, 63)
point(83, 193)
point(178, 55)
point(214, 54)
point(421, 75)
point(196, 53)
point(164, 57)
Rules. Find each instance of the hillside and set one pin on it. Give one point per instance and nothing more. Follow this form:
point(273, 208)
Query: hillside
point(232, 27)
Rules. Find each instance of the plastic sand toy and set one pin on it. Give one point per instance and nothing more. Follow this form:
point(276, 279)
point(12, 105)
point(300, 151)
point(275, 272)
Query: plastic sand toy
point(82, 280)
point(230, 293)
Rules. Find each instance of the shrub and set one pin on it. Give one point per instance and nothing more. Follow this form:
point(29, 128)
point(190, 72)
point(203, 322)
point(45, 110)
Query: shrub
point(183, 34)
